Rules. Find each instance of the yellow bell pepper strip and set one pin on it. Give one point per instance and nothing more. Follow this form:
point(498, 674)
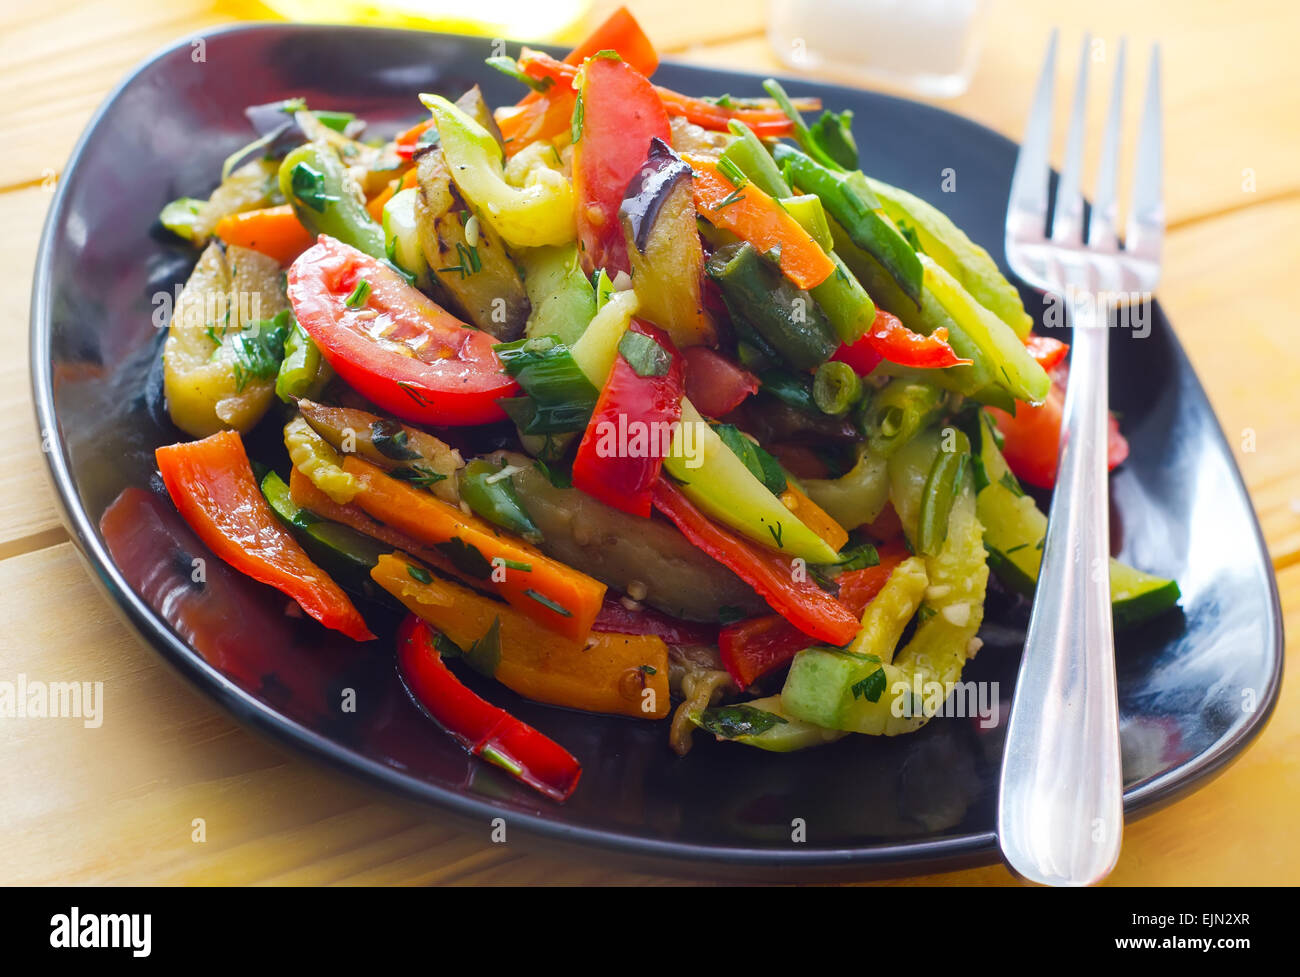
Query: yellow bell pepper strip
point(476, 724)
point(318, 461)
point(212, 485)
point(734, 204)
point(537, 214)
point(554, 595)
point(622, 674)
point(274, 231)
point(714, 478)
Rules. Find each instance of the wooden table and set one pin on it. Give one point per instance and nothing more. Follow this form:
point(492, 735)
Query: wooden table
point(116, 804)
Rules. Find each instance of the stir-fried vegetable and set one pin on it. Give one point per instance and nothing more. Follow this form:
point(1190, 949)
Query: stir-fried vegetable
point(641, 402)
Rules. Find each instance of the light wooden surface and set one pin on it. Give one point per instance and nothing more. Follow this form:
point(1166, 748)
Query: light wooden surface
point(117, 803)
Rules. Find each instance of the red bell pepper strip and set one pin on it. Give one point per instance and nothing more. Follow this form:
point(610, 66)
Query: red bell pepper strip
point(1032, 436)
point(751, 214)
point(212, 485)
point(792, 595)
point(1047, 351)
point(623, 448)
point(620, 115)
point(618, 619)
point(482, 728)
point(889, 339)
point(544, 115)
point(444, 373)
point(715, 384)
point(405, 144)
point(756, 646)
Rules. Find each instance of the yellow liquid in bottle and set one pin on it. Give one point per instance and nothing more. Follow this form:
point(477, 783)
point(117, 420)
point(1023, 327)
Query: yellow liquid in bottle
point(539, 20)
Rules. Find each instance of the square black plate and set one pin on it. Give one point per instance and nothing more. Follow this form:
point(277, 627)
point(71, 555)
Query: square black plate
point(1194, 688)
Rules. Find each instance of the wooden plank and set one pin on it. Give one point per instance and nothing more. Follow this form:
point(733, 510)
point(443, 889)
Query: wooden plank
point(28, 518)
point(1231, 87)
point(1221, 290)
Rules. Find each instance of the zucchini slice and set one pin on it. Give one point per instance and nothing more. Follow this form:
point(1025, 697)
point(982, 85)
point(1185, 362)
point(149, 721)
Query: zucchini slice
point(1014, 529)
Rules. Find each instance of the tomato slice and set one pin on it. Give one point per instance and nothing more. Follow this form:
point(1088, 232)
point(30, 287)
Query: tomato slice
point(1032, 435)
point(395, 345)
point(1047, 351)
point(621, 113)
point(714, 384)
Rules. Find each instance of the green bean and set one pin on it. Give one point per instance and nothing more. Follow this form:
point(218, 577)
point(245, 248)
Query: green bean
point(897, 412)
point(786, 317)
point(836, 388)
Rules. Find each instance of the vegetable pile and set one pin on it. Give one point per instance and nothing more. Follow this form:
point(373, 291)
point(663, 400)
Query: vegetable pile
point(638, 402)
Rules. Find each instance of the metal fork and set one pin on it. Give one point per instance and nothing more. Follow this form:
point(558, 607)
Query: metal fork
point(1060, 803)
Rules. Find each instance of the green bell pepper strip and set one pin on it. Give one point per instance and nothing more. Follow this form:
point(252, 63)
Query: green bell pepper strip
point(492, 495)
point(314, 180)
point(718, 482)
point(871, 688)
point(537, 214)
point(849, 200)
point(858, 496)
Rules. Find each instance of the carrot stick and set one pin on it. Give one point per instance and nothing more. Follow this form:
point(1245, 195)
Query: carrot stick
point(556, 596)
point(751, 214)
point(274, 231)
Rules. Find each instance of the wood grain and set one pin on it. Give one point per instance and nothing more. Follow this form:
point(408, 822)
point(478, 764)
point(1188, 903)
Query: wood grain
point(118, 803)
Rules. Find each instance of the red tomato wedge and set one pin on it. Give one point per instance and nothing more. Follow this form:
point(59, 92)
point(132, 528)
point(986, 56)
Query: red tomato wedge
point(714, 384)
point(796, 598)
point(1047, 351)
point(394, 345)
point(1032, 436)
point(212, 485)
point(621, 113)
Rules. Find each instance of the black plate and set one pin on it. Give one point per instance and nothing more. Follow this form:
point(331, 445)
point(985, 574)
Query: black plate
point(1194, 688)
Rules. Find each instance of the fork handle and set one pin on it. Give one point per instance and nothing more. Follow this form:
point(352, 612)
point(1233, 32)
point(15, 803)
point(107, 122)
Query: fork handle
point(1060, 808)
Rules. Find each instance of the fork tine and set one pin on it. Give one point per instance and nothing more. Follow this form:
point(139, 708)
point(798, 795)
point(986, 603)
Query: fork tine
point(1067, 221)
point(1146, 222)
point(1101, 226)
point(1027, 206)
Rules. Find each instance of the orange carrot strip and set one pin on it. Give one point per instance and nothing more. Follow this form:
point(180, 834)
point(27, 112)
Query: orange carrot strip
point(274, 231)
point(751, 214)
point(556, 596)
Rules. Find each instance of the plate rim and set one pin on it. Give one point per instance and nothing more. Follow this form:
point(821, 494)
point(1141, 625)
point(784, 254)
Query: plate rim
point(894, 857)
